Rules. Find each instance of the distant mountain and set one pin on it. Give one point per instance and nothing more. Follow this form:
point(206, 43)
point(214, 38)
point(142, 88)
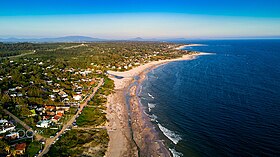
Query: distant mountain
point(157, 39)
point(144, 39)
point(58, 39)
point(137, 39)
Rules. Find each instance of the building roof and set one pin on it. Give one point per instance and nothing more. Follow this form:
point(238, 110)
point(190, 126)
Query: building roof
point(50, 107)
point(56, 118)
point(43, 122)
point(21, 146)
point(59, 114)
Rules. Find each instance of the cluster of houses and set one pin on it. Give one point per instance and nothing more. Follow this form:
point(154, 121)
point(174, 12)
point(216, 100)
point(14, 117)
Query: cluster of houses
point(19, 148)
point(66, 98)
point(7, 131)
point(48, 77)
point(51, 115)
point(133, 61)
point(14, 92)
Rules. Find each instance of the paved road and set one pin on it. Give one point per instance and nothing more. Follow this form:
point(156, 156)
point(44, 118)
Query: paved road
point(49, 141)
point(37, 136)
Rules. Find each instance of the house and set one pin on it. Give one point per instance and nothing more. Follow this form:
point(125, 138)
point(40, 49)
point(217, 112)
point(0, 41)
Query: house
point(77, 97)
point(63, 94)
point(20, 148)
point(33, 113)
point(66, 108)
point(65, 100)
point(39, 109)
point(50, 108)
point(52, 97)
point(59, 111)
point(49, 82)
point(12, 136)
point(19, 94)
point(46, 117)
point(92, 82)
point(12, 89)
point(43, 124)
point(98, 71)
point(4, 129)
point(3, 121)
point(56, 118)
point(50, 113)
point(55, 90)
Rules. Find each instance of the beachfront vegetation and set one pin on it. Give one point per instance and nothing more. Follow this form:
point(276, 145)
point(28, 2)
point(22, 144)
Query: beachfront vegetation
point(91, 142)
point(93, 114)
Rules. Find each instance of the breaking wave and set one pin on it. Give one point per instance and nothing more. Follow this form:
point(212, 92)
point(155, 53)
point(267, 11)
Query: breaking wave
point(150, 95)
point(150, 106)
point(175, 153)
point(175, 138)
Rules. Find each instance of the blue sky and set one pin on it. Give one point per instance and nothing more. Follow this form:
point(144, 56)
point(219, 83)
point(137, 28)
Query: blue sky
point(133, 18)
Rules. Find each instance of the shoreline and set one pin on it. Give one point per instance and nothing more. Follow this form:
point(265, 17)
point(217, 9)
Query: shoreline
point(130, 130)
point(189, 45)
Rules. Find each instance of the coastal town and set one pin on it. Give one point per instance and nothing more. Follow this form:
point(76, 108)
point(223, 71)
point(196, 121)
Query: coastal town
point(58, 89)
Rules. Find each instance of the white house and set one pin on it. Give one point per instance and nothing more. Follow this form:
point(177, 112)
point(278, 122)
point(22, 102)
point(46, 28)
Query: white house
point(77, 97)
point(43, 124)
point(13, 135)
point(5, 129)
point(3, 121)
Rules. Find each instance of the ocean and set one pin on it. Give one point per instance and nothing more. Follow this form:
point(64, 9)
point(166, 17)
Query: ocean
point(226, 104)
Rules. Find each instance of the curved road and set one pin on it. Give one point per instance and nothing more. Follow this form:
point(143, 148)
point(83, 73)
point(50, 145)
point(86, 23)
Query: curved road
point(49, 141)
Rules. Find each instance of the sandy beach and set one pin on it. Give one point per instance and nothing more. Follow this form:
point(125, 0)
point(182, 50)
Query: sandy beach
point(189, 45)
point(140, 137)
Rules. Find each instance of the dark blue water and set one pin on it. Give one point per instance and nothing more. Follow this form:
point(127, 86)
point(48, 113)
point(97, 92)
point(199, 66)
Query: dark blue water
point(226, 104)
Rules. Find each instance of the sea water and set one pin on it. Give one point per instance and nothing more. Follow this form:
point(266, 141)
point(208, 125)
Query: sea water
point(227, 104)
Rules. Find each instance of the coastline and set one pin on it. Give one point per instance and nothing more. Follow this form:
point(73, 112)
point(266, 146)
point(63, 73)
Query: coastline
point(189, 45)
point(130, 130)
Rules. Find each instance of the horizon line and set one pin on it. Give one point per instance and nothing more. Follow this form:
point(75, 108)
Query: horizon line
point(142, 38)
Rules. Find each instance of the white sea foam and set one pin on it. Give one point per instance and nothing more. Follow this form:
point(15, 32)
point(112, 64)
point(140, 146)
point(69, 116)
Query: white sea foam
point(153, 118)
point(175, 153)
point(150, 106)
point(140, 89)
point(150, 95)
point(175, 138)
